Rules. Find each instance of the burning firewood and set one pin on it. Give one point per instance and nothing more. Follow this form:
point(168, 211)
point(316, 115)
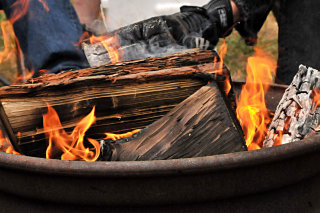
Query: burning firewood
point(129, 95)
point(202, 125)
point(106, 49)
point(298, 113)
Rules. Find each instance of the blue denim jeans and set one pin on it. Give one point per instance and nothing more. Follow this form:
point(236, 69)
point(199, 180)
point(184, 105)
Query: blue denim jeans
point(49, 39)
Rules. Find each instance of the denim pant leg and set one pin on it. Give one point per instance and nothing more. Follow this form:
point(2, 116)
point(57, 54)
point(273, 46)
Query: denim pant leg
point(49, 39)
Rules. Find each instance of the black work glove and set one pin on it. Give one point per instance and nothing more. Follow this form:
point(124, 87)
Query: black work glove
point(193, 27)
point(211, 22)
point(253, 15)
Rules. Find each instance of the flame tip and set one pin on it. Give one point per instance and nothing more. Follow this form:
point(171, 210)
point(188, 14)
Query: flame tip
point(252, 111)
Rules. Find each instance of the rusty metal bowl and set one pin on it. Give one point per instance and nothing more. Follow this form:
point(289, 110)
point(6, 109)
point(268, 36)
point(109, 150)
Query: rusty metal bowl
point(281, 179)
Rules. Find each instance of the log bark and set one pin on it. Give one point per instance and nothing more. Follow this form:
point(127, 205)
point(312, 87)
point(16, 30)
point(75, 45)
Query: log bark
point(297, 114)
point(127, 96)
point(202, 125)
point(190, 58)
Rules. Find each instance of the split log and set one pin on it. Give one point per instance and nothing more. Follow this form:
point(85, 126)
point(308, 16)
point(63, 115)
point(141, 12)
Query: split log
point(127, 96)
point(297, 114)
point(202, 125)
point(98, 55)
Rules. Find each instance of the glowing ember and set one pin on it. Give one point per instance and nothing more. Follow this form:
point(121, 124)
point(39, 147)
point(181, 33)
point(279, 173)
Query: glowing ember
point(252, 111)
point(316, 98)
point(69, 147)
point(316, 101)
point(5, 145)
point(111, 44)
point(115, 137)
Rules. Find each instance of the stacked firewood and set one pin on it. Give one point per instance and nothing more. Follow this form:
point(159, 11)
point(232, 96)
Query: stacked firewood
point(154, 92)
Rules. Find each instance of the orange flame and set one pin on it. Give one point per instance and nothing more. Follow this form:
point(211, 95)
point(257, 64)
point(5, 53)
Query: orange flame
point(5, 145)
point(252, 111)
point(115, 137)
point(316, 98)
point(111, 44)
point(9, 43)
point(45, 5)
point(11, 49)
point(23, 78)
point(70, 147)
point(223, 49)
point(21, 8)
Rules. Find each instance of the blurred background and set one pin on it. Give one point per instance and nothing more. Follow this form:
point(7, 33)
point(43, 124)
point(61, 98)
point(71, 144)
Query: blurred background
point(117, 13)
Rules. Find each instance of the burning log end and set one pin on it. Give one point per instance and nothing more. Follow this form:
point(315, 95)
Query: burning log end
point(298, 113)
point(111, 147)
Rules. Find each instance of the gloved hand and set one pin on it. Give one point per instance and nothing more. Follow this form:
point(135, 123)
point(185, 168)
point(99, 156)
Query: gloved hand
point(192, 27)
point(211, 22)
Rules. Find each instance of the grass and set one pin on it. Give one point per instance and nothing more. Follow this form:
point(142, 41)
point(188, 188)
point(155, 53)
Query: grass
point(238, 51)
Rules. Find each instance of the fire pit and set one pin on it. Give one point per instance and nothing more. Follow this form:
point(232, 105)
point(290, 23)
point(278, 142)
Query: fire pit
point(284, 178)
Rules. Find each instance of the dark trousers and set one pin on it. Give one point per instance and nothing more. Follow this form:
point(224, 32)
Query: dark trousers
point(48, 39)
point(299, 37)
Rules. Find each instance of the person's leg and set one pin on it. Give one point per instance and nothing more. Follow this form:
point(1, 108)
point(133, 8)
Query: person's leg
point(299, 35)
point(48, 34)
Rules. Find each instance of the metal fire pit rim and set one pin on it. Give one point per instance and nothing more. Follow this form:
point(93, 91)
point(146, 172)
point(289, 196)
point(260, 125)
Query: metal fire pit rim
point(161, 167)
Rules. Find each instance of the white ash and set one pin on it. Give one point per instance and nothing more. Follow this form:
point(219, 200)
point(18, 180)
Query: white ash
point(296, 116)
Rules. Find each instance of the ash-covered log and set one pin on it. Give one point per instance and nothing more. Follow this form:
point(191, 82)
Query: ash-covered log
point(129, 95)
point(298, 113)
point(202, 125)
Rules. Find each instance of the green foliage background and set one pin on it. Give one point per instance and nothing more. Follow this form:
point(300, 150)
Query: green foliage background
point(238, 51)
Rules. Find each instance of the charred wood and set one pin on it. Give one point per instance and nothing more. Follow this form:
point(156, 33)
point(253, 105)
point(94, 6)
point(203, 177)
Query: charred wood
point(127, 96)
point(297, 114)
point(202, 125)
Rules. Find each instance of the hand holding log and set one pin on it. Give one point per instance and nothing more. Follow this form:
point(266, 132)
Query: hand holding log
point(192, 27)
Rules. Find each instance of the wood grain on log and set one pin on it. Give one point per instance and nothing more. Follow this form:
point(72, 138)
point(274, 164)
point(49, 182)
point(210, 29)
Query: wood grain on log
point(202, 125)
point(297, 115)
point(127, 96)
